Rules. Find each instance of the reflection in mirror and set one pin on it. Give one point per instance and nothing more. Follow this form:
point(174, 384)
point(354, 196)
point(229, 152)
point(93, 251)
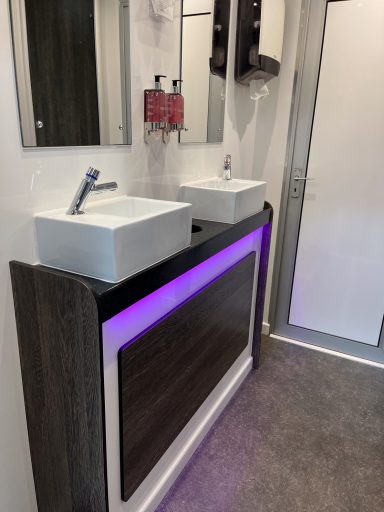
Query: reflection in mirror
point(73, 71)
point(204, 48)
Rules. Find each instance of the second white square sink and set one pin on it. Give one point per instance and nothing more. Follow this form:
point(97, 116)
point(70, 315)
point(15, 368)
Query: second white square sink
point(227, 201)
point(114, 238)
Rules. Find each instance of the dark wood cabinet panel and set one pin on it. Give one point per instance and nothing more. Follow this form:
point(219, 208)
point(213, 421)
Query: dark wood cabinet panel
point(59, 345)
point(168, 372)
point(261, 289)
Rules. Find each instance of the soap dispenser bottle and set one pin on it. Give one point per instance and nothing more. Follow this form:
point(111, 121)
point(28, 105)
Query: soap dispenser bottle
point(155, 108)
point(175, 108)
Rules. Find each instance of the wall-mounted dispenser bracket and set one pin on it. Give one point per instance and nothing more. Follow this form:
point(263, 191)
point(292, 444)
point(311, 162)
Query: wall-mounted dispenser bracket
point(175, 111)
point(152, 131)
point(167, 131)
point(155, 111)
point(166, 136)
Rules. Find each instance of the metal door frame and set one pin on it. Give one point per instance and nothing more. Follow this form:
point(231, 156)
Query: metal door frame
point(307, 71)
point(125, 67)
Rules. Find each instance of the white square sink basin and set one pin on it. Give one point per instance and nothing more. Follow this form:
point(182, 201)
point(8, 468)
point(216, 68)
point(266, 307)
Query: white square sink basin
point(114, 238)
point(221, 200)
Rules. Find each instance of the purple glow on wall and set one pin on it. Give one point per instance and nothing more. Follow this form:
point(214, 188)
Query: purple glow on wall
point(140, 316)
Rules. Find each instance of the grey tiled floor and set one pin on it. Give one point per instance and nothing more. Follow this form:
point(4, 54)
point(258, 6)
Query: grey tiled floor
point(303, 434)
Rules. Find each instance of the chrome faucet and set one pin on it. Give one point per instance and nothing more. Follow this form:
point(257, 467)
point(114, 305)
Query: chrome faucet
point(87, 187)
point(227, 168)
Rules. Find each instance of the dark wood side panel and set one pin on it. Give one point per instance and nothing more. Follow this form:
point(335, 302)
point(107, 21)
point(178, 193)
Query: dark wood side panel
point(168, 372)
point(260, 293)
point(59, 344)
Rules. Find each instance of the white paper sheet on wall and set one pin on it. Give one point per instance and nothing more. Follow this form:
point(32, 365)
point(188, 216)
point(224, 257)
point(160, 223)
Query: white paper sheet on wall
point(162, 10)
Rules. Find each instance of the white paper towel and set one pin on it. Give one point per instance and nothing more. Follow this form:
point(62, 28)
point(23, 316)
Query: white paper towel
point(162, 10)
point(258, 89)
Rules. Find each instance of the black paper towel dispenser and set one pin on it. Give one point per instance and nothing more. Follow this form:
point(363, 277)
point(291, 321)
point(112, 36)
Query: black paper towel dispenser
point(259, 39)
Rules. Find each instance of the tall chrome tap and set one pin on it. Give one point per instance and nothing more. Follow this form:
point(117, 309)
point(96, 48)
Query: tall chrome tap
point(87, 187)
point(227, 172)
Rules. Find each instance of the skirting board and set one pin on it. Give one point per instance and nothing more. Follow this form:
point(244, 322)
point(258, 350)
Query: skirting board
point(266, 328)
point(151, 492)
point(327, 351)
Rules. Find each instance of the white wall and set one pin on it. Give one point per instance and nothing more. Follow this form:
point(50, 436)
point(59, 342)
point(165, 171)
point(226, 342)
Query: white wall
point(35, 180)
point(271, 127)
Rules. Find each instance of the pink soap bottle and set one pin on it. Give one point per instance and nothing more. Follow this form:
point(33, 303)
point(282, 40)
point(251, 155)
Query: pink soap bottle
point(155, 107)
point(175, 108)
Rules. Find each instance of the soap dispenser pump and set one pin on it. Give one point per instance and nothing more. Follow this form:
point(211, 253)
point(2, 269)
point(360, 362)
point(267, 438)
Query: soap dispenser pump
point(155, 109)
point(175, 108)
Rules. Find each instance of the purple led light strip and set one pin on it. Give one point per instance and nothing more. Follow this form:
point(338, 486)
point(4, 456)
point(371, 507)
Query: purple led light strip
point(125, 327)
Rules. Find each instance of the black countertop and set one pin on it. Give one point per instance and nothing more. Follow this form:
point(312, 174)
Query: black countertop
point(208, 239)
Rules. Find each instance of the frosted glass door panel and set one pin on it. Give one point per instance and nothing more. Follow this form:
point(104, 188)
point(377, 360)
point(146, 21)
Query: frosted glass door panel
point(338, 285)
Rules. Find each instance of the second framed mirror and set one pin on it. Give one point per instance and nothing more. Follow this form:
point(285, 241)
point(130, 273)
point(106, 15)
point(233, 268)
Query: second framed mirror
point(204, 50)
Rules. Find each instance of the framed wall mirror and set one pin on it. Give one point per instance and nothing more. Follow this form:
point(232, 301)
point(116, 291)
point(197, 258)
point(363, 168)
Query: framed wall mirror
point(72, 62)
point(204, 50)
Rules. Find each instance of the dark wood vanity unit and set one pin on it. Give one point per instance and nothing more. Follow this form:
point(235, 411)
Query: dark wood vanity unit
point(165, 373)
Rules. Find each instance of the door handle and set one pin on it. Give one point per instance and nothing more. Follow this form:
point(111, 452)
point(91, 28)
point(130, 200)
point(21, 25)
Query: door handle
point(296, 179)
